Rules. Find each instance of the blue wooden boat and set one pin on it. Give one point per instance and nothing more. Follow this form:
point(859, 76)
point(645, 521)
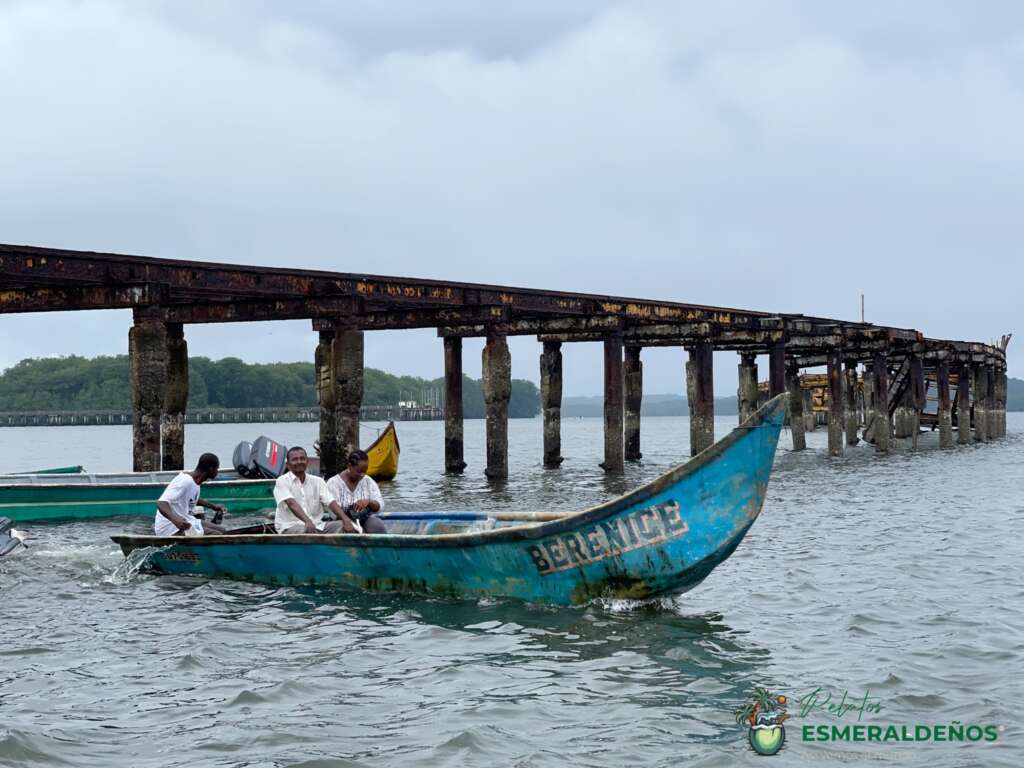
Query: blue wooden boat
point(663, 538)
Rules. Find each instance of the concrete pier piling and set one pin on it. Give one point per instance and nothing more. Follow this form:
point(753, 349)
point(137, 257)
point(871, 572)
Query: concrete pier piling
point(797, 423)
point(613, 406)
point(836, 404)
point(880, 402)
point(918, 395)
point(147, 366)
point(945, 413)
point(172, 425)
point(347, 360)
point(746, 392)
point(992, 404)
point(700, 394)
point(776, 369)
point(851, 415)
point(633, 378)
point(454, 446)
point(327, 397)
point(980, 386)
point(963, 405)
point(497, 389)
point(1001, 385)
point(868, 403)
point(551, 402)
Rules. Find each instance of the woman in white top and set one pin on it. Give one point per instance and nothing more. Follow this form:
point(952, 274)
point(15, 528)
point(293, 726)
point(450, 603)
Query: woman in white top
point(358, 494)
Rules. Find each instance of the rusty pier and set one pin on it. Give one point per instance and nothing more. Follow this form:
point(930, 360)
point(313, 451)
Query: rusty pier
point(879, 378)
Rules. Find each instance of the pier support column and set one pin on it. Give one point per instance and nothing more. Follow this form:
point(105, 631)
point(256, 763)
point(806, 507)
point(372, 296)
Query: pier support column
point(147, 366)
point(945, 410)
point(634, 384)
point(700, 395)
point(836, 404)
point(880, 402)
point(172, 426)
point(327, 396)
point(347, 362)
point(963, 404)
point(613, 402)
point(851, 418)
point(454, 445)
point(1001, 401)
point(776, 369)
point(868, 403)
point(551, 402)
point(980, 396)
point(918, 392)
point(796, 406)
point(497, 386)
point(810, 417)
point(746, 392)
point(992, 404)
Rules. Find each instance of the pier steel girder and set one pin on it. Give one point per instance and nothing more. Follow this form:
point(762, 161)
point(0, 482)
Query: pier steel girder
point(34, 279)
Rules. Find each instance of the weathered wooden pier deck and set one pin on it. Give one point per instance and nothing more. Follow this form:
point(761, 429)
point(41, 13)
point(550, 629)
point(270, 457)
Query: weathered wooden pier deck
point(889, 366)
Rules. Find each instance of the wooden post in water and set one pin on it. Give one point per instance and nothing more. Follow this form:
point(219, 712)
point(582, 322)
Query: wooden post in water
point(945, 409)
point(147, 367)
point(963, 404)
point(347, 362)
point(777, 369)
point(851, 417)
point(634, 384)
point(327, 396)
point(551, 402)
point(880, 401)
point(700, 395)
point(613, 402)
point(454, 445)
point(796, 406)
point(918, 394)
point(497, 386)
point(746, 392)
point(836, 403)
point(980, 395)
point(172, 426)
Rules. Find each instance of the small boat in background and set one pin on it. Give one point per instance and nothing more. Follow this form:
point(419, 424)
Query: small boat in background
point(663, 538)
point(75, 470)
point(43, 497)
point(383, 453)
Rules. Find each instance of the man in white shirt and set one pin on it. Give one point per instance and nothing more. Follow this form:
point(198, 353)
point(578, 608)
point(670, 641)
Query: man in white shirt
point(176, 507)
point(302, 500)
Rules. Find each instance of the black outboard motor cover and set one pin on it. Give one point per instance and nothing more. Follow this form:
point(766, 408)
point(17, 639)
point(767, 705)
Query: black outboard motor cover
point(242, 460)
point(269, 457)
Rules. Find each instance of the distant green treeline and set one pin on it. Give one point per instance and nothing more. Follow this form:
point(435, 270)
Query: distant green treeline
point(99, 384)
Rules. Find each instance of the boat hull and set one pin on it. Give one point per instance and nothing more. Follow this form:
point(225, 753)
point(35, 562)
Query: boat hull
point(383, 453)
point(663, 538)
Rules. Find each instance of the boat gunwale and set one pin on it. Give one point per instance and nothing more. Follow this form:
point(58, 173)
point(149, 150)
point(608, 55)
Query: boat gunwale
point(148, 484)
point(527, 531)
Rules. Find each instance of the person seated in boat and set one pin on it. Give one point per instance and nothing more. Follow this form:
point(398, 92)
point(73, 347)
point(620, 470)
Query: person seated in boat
point(176, 507)
point(358, 493)
point(302, 500)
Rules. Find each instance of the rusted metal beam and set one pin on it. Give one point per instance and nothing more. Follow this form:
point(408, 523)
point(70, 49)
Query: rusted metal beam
point(58, 298)
point(598, 326)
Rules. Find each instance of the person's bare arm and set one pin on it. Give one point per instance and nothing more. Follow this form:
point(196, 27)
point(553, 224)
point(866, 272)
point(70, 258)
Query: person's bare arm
point(346, 521)
point(300, 513)
point(179, 522)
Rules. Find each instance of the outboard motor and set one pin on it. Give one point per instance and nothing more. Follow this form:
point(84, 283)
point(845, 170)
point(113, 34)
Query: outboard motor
point(269, 457)
point(10, 539)
point(242, 461)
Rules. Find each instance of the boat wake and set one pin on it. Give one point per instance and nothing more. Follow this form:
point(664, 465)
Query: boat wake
point(126, 571)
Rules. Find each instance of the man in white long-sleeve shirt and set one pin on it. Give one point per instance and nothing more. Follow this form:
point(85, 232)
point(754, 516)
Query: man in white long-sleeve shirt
point(302, 500)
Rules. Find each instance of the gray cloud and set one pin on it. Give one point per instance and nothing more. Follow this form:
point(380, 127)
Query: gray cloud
point(776, 156)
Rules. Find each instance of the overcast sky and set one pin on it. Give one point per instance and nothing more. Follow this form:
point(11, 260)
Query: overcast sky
point(779, 156)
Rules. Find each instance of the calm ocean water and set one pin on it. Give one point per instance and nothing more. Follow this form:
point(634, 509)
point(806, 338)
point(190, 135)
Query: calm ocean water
point(894, 577)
